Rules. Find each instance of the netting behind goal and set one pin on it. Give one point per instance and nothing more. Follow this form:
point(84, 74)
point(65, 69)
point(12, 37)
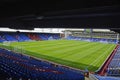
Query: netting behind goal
point(6, 43)
point(18, 49)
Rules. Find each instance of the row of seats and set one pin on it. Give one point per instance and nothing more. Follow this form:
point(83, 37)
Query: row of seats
point(114, 66)
point(92, 39)
point(106, 77)
point(14, 66)
point(7, 36)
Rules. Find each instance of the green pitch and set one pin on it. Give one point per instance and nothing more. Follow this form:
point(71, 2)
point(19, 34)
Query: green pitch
point(77, 54)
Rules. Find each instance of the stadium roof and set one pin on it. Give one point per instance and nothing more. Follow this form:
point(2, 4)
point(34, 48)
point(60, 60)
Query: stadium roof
point(36, 30)
point(53, 30)
point(28, 14)
point(88, 30)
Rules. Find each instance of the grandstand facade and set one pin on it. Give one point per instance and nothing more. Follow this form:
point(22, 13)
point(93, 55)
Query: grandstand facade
point(93, 35)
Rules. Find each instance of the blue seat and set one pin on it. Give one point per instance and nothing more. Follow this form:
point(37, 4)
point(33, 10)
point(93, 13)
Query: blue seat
point(16, 66)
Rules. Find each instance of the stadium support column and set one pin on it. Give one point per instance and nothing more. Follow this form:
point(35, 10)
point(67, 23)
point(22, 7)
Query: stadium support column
point(42, 29)
point(91, 35)
point(89, 32)
point(118, 40)
point(51, 30)
point(66, 33)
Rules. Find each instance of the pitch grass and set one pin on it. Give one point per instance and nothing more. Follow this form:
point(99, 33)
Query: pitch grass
point(77, 54)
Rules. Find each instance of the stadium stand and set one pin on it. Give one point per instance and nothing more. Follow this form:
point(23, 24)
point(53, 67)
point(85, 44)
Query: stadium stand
point(114, 66)
point(9, 37)
point(106, 78)
point(33, 36)
point(14, 66)
point(103, 40)
point(93, 36)
point(24, 37)
point(19, 38)
point(43, 36)
point(2, 38)
point(13, 36)
point(92, 39)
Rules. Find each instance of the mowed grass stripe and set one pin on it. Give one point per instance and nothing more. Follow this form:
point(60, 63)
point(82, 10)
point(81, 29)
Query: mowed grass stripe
point(73, 50)
point(79, 57)
point(78, 54)
point(53, 52)
point(53, 44)
point(88, 51)
point(41, 42)
point(97, 62)
point(38, 44)
point(56, 46)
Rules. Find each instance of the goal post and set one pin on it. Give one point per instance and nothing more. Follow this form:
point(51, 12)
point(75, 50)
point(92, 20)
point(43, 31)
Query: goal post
point(6, 44)
point(18, 49)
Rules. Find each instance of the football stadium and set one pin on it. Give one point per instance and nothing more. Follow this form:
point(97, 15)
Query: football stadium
point(77, 51)
point(56, 41)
